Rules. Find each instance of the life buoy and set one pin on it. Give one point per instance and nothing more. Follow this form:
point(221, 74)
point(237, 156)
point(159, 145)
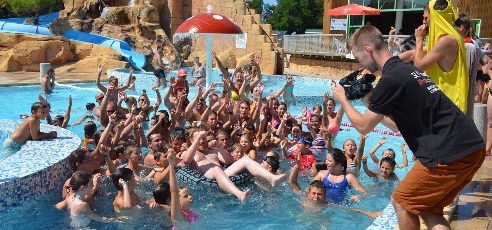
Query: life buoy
point(189, 175)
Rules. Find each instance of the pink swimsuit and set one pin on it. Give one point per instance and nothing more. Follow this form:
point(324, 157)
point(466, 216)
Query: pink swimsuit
point(192, 218)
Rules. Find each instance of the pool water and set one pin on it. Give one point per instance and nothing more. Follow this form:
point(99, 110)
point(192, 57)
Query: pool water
point(276, 209)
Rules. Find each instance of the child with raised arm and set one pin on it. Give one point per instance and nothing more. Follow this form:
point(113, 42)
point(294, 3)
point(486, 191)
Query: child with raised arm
point(124, 181)
point(28, 130)
point(389, 153)
point(303, 144)
point(386, 169)
point(113, 82)
point(349, 148)
point(81, 214)
point(181, 200)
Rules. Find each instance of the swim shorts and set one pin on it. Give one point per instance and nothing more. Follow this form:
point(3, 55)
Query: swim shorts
point(430, 189)
point(159, 73)
point(9, 147)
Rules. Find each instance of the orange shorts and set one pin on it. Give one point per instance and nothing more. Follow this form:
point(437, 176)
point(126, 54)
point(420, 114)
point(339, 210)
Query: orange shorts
point(431, 189)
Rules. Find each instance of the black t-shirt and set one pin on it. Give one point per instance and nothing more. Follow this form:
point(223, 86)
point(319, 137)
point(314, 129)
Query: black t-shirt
point(433, 127)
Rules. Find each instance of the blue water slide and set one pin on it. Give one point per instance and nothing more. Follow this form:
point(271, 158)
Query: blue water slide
point(10, 27)
point(136, 59)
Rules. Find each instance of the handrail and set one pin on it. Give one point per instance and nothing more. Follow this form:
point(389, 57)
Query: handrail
point(264, 32)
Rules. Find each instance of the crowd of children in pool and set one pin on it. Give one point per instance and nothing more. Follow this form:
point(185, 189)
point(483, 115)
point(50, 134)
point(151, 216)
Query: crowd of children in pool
point(231, 135)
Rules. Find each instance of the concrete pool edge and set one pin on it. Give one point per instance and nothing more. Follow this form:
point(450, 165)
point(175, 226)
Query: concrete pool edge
point(38, 168)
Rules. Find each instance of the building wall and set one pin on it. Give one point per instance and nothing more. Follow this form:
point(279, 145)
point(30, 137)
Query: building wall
point(477, 9)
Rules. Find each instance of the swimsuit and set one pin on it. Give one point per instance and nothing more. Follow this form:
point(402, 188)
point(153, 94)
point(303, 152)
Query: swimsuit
point(191, 217)
point(319, 141)
point(336, 191)
point(351, 166)
point(306, 160)
point(80, 221)
point(88, 145)
point(159, 73)
point(9, 147)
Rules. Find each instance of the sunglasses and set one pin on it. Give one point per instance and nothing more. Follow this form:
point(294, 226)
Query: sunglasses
point(110, 111)
point(98, 99)
point(142, 99)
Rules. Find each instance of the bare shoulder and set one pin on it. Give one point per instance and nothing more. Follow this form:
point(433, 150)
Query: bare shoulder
point(321, 174)
point(448, 42)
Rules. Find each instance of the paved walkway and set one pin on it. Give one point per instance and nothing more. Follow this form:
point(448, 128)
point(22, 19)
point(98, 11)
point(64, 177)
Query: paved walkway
point(474, 209)
point(29, 78)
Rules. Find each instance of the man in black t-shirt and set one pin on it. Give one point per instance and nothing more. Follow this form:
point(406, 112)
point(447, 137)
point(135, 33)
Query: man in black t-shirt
point(447, 144)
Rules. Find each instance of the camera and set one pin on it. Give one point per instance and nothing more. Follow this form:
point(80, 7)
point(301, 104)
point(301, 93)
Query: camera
point(357, 88)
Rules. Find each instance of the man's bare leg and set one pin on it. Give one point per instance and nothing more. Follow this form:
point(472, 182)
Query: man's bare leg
point(434, 221)
point(163, 82)
point(255, 169)
point(226, 184)
point(406, 220)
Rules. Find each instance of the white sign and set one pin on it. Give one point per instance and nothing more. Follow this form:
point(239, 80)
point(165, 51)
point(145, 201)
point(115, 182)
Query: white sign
point(241, 41)
point(338, 24)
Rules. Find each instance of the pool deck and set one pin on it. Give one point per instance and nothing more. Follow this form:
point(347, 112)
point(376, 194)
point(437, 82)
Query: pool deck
point(474, 207)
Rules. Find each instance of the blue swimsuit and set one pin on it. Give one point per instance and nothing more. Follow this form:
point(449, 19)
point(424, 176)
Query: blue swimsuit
point(336, 191)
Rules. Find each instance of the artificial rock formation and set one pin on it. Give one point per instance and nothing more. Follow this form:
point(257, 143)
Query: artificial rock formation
point(25, 52)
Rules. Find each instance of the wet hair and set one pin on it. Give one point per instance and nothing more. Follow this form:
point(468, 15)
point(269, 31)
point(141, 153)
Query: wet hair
point(78, 179)
point(161, 152)
point(162, 192)
point(244, 102)
point(273, 162)
point(236, 146)
point(77, 156)
point(390, 149)
point(90, 128)
point(308, 137)
point(339, 158)
point(112, 78)
point(35, 106)
point(59, 118)
point(317, 184)
point(284, 104)
point(318, 106)
point(464, 21)
point(175, 136)
point(320, 165)
point(248, 137)
point(129, 149)
point(151, 136)
point(315, 115)
point(211, 112)
point(298, 126)
point(121, 173)
point(238, 70)
point(90, 106)
point(389, 160)
point(250, 127)
point(367, 35)
point(120, 148)
point(97, 136)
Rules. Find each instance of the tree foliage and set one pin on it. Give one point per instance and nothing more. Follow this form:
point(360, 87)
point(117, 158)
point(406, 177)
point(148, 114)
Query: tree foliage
point(298, 15)
point(34, 8)
point(256, 5)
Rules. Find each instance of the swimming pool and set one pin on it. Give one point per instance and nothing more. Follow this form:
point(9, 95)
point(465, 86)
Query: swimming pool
point(277, 209)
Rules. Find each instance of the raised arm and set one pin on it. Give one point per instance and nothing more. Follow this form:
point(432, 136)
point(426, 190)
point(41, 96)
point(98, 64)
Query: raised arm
point(128, 82)
point(98, 79)
point(294, 174)
point(372, 153)
point(176, 214)
point(360, 151)
point(366, 169)
point(222, 68)
point(66, 119)
point(167, 102)
point(190, 152)
point(404, 153)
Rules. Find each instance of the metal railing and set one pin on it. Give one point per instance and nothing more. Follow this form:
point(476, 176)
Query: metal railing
point(321, 44)
point(316, 44)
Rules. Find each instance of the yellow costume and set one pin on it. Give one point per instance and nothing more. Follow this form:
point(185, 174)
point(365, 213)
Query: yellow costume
point(454, 83)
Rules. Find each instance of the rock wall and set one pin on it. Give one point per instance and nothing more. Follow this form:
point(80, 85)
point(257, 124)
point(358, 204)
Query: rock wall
point(24, 53)
point(332, 67)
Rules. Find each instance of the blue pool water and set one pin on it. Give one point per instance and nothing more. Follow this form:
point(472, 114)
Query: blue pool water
point(277, 209)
